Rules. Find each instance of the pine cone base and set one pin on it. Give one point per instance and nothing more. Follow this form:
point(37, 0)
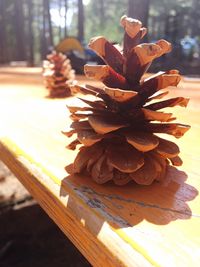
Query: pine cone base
point(60, 92)
point(117, 160)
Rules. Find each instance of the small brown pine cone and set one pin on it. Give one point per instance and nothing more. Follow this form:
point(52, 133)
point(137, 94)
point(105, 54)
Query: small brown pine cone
point(58, 75)
point(121, 124)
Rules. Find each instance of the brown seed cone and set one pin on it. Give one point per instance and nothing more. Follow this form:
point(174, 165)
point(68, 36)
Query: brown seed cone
point(119, 127)
point(58, 75)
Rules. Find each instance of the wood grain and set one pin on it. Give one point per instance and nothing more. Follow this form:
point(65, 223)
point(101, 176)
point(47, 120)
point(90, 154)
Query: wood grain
point(112, 226)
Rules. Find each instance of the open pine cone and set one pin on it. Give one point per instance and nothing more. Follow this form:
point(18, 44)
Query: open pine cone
point(117, 127)
point(58, 75)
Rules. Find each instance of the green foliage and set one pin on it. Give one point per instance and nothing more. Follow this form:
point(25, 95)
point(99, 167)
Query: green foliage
point(102, 18)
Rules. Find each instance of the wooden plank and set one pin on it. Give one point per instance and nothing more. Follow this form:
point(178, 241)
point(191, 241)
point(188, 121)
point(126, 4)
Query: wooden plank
point(112, 226)
point(69, 211)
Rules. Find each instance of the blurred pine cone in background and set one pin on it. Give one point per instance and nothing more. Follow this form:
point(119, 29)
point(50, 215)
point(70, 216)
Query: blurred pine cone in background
point(58, 75)
point(120, 125)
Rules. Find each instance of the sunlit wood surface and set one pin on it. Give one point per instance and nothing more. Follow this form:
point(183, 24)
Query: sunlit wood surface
point(133, 225)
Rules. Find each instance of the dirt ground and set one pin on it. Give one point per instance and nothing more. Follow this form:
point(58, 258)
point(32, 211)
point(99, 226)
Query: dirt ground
point(28, 237)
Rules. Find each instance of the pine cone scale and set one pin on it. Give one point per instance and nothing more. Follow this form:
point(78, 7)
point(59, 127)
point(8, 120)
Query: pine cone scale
point(142, 141)
point(167, 148)
point(108, 52)
point(146, 174)
point(125, 158)
point(103, 125)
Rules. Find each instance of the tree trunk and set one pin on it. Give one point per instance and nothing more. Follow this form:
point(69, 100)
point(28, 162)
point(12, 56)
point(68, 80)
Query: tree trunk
point(60, 23)
point(139, 9)
point(175, 36)
point(102, 12)
point(3, 47)
point(18, 20)
point(47, 22)
point(167, 26)
point(80, 21)
point(43, 39)
point(66, 7)
point(195, 16)
point(50, 25)
point(30, 34)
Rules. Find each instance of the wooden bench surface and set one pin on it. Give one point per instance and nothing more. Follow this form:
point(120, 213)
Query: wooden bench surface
point(112, 226)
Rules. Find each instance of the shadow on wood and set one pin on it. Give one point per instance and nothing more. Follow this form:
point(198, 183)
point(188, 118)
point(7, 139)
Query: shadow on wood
point(121, 207)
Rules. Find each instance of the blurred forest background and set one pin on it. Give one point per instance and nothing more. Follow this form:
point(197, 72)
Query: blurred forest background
point(29, 29)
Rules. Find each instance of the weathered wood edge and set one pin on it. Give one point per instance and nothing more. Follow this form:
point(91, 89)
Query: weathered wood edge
point(111, 247)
